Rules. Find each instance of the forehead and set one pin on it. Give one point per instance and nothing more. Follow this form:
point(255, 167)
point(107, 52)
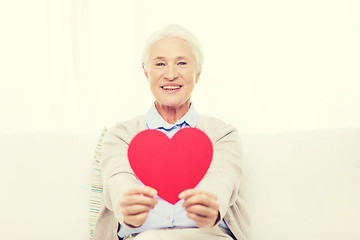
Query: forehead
point(171, 47)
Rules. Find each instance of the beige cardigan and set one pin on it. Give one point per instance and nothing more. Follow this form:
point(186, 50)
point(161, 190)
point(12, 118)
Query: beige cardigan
point(223, 177)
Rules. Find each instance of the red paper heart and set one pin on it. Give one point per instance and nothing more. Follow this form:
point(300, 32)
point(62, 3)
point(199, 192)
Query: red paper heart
point(170, 165)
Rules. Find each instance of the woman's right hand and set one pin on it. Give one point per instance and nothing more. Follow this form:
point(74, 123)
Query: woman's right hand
point(136, 204)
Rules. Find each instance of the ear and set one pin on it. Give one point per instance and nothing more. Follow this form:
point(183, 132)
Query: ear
point(145, 72)
point(197, 77)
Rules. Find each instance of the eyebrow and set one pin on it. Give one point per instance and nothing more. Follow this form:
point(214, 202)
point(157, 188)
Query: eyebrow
point(159, 58)
point(177, 58)
point(182, 58)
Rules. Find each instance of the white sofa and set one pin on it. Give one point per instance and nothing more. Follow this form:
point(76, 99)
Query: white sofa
point(299, 185)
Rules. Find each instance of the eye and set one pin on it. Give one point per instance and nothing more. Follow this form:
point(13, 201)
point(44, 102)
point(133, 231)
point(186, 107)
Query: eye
point(182, 63)
point(160, 64)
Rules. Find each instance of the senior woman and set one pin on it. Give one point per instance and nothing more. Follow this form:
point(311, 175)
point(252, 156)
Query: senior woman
point(172, 63)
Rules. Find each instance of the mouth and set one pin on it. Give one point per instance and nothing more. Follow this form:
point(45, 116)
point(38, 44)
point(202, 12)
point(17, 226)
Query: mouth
point(171, 87)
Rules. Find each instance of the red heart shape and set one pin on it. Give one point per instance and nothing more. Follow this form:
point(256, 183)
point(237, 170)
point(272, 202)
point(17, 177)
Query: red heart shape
point(170, 165)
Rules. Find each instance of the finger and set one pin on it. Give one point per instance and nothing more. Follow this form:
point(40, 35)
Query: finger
point(135, 209)
point(187, 193)
point(200, 221)
point(136, 220)
point(145, 190)
point(191, 192)
point(138, 200)
point(201, 200)
point(202, 211)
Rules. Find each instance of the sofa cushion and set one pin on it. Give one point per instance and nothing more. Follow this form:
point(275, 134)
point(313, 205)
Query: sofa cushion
point(45, 186)
point(303, 185)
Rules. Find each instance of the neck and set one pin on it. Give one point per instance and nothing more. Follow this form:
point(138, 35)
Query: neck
point(171, 114)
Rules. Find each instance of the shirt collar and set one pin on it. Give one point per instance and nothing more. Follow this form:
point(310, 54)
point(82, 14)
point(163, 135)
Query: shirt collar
point(155, 121)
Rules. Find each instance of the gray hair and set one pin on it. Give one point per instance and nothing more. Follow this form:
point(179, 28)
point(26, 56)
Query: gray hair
point(174, 30)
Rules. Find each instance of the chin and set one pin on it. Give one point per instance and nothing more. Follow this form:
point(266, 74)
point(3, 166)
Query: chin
point(171, 104)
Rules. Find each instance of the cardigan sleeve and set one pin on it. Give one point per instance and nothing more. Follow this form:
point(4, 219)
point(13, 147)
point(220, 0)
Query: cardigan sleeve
point(117, 174)
point(224, 175)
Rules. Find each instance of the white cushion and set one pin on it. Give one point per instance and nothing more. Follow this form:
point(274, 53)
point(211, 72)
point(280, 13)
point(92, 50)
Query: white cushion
point(45, 186)
point(303, 185)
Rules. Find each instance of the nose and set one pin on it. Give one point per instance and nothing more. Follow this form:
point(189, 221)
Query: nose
point(171, 72)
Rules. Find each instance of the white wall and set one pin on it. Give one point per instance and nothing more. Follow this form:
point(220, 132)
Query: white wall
point(74, 66)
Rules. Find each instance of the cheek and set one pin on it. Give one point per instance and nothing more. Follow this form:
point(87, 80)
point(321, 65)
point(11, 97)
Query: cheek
point(192, 76)
point(154, 76)
point(153, 85)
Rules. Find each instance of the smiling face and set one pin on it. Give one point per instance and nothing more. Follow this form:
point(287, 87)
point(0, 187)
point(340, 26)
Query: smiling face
point(172, 73)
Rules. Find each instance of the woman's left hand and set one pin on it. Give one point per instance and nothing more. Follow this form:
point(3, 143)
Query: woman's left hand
point(201, 206)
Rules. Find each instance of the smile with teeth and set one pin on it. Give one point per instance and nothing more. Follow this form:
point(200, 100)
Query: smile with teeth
point(171, 88)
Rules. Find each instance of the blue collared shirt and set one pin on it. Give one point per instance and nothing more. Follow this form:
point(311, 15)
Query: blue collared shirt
point(164, 214)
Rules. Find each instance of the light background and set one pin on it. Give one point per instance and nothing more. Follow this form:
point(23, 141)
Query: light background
point(270, 66)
